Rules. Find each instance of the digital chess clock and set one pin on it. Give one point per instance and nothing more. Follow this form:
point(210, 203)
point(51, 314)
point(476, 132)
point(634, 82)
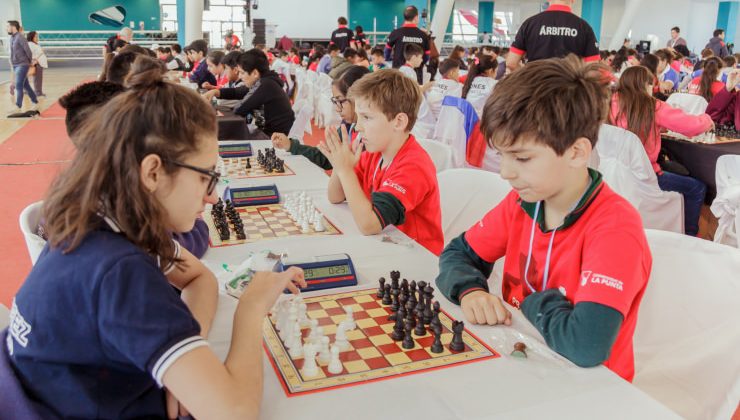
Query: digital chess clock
point(235, 150)
point(323, 272)
point(252, 196)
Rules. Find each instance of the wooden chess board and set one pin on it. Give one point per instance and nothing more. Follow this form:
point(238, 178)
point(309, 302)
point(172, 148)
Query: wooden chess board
point(263, 222)
point(373, 355)
point(235, 168)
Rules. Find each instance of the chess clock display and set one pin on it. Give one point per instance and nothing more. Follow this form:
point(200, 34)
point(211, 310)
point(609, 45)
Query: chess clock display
point(235, 150)
point(323, 272)
point(252, 196)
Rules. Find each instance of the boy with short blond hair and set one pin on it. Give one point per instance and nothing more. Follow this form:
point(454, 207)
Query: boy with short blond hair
point(577, 260)
point(394, 182)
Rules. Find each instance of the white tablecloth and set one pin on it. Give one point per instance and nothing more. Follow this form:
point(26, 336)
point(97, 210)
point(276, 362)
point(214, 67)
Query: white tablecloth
point(544, 385)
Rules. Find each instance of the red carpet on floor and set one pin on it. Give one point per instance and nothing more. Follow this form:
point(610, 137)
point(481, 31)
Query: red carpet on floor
point(43, 140)
point(21, 186)
point(54, 111)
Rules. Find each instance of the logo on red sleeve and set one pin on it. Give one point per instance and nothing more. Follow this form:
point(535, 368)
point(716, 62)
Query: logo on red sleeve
point(395, 186)
point(596, 278)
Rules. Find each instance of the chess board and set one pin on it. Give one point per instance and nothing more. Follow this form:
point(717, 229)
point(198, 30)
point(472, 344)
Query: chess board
point(235, 168)
point(264, 222)
point(373, 355)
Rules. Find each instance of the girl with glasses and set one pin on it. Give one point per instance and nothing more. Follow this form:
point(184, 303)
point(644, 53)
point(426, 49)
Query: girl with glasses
point(344, 107)
point(98, 312)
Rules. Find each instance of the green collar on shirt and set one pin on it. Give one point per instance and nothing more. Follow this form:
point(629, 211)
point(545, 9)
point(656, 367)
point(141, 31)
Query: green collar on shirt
point(588, 197)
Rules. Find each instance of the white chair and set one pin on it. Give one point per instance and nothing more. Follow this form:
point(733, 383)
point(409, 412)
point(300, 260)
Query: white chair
point(466, 195)
point(480, 90)
point(425, 121)
point(29, 222)
point(457, 120)
point(4, 316)
point(440, 153)
point(302, 123)
point(325, 113)
point(686, 338)
point(627, 169)
point(688, 103)
point(440, 89)
point(726, 206)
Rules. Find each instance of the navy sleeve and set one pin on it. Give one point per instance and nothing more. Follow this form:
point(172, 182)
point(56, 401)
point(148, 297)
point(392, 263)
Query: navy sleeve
point(461, 270)
point(195, 241)
point(388, 208)
point(583, 333)
point(141, 320)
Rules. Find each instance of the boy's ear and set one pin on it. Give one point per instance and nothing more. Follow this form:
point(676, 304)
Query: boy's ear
point(580, 152)
point(401, 122)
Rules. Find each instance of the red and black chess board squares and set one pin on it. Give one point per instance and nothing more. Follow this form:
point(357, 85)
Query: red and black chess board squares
point(372, 355)
point(236, 168)
point(263, 222)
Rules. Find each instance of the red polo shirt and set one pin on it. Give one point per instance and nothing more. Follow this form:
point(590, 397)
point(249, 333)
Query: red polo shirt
point(601, 257)
point(412, 178)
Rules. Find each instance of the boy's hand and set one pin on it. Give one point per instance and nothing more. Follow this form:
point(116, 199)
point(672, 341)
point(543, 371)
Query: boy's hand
point(208, 86)
point(211, 93)
point(733, 79)
point(339, 150)
point(481, 307)
point(280, 141)
point(266, 287)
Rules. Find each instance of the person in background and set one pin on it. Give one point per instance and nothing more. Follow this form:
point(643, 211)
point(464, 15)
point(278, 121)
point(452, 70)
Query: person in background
point(180, 55)
point(717, 43)
point(39, 62)
point(362, 59)
point(214, 60)
point(360, 41)
point(342, 37)
point(675, 38)
point(200, 73)
point(171, 62)
point(707, 84)
point(377, 59)
point(340, 63)
point(635, 109)
point(21, 58)
point(724, 107)
point(125, 34)
point(294, 57)
point(231, 41)
point(458, 53)
point(408, 33)
point(326, 62)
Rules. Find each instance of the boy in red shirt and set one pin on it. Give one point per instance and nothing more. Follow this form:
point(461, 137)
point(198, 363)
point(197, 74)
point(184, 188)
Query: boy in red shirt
point(395, 181)
point(577, 260)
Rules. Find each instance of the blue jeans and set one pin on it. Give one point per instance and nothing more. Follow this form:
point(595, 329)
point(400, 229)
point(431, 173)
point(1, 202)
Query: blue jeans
point(21, 83)
point(693, 192)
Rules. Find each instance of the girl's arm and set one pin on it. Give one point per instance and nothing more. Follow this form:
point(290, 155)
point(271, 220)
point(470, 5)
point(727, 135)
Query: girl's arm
point(675, 119)
point(209, 389)
point(199, 289)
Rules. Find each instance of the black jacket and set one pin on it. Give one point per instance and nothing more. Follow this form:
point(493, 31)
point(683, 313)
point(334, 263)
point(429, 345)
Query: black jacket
point(268, 96)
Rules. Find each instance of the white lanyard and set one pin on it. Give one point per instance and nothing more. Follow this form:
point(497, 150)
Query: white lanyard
point(549, 246)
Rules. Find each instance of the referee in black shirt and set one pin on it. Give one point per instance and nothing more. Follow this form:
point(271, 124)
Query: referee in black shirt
point(556, 32)
point(342, 36)
point(409, 33)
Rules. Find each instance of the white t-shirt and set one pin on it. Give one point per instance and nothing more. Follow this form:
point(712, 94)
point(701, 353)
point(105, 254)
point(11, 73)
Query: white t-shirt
point(479, 92)
point(440, 89)
point(409, 72)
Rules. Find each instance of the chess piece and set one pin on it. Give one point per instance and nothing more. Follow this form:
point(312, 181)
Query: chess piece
point(310, 368)
point(381, 288)
point(457, 344)
point(519, 350)
point(335, 365)
point(420, 330)
point(435, 316)
point(319, 225)
point(296, 350)
point(387, 295)
point(248, 165)
point(394, 302)
point(408, 340)
point(340, 339)
point(437, 345)
point(350, 320)
point(324, 355)
point(398, 331)
point(314, 330)
point(428, 313)
point(305, 227)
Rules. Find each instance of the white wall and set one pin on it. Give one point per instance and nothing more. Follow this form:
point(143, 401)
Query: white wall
point(9, 10)
point(302, 18)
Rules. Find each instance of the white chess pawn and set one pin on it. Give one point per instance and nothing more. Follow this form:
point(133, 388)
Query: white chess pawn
point(335, 365)
point(340, 339)
point(350, 319)
point(318, 225)
point(296, 350)
point(302, 317)
point(324, 354)
point(287, 331)
point(305, 227)
point(314, 329)
point(310, 369)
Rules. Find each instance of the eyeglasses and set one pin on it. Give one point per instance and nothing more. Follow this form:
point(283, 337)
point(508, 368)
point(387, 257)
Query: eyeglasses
point(215, 176)
point(338, 101)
